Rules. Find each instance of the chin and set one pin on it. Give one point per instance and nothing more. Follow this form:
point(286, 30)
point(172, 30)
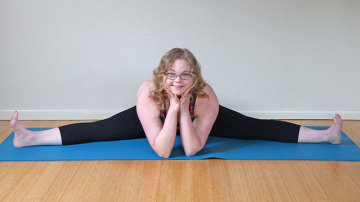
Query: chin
point(177, 92)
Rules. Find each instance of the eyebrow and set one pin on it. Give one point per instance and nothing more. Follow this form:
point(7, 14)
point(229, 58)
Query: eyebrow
point(188, 71)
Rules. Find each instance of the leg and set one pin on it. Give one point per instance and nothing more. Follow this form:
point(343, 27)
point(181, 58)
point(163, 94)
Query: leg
point(124, 125)
point(24, 137)
point(232, 124)
point(331, 135)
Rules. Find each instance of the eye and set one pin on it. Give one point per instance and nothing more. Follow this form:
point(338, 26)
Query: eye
point(171, 76)
point(185, 75)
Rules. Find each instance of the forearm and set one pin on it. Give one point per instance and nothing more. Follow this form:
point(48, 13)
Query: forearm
point(189, 137)
point(164, 141)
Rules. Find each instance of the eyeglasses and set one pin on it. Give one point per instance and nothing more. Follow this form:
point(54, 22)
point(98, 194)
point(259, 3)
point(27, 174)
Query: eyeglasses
point(183, 76)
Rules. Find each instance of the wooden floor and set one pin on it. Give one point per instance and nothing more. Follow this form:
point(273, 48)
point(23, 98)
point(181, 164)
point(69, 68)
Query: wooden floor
point(180, 180)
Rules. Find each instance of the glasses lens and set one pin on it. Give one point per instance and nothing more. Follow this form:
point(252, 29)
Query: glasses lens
point(171, 76)
point(185, 76)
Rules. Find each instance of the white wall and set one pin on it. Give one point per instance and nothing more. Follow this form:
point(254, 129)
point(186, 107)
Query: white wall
point(269, 59)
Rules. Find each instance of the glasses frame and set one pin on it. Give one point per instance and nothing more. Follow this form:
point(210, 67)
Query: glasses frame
point(178, 75)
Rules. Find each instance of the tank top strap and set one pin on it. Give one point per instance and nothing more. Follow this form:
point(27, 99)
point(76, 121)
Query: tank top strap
point(192, 108)
point(163, 113)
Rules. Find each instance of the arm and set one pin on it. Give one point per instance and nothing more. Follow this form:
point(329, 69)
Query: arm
point(190, 139)
point(194, 134)
point(160, 136)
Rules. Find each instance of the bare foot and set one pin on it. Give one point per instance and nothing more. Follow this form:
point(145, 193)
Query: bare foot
point(22, 135)
point(334, 132)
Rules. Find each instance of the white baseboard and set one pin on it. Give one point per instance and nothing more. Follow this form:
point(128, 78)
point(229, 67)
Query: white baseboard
point(59, 114)
point(345, 115)
point(102, 114)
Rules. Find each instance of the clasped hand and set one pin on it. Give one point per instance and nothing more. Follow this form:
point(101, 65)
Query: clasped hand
point(179, 102)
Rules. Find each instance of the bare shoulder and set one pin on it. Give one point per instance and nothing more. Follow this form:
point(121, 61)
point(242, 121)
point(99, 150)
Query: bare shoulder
point(148, 112)
point(207, 110)
point(208, 103)
point(143, 95)
point(210, 96)
point(144, 103)
point(209, 90)
point(145, 87)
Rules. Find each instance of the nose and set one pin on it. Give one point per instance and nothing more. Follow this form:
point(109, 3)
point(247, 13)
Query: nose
point(177, 79)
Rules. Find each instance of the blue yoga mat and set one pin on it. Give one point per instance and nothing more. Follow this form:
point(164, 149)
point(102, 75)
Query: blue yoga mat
point(222, 148)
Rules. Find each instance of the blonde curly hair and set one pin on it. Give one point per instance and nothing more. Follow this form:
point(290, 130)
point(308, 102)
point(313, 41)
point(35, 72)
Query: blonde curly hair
point(158, 94)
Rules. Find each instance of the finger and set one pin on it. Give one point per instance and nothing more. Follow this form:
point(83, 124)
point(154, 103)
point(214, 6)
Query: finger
point(169, 92)
point(188, 90)
point(184, 99)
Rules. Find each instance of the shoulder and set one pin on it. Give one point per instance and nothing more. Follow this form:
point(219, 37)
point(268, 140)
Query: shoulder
point(147, 111)
point(143, 95)
point(206, 109)
point(146, 87)
point(144, 101)
point(210, 95)
point(208, 103)
point(209, 91)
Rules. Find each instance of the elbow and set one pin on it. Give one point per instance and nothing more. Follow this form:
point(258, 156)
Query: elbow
point(192, 152)
point(163, 154)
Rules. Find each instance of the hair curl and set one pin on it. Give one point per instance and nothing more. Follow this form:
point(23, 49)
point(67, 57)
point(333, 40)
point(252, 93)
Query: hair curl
point(158, 94)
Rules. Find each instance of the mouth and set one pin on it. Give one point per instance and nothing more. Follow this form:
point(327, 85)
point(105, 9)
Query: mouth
point(177, 86)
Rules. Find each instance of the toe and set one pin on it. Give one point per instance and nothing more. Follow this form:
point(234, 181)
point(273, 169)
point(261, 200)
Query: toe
point(14, 119)
point(338, 116)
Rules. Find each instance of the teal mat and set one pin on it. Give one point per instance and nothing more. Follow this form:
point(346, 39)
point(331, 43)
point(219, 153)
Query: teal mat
point(221, 148)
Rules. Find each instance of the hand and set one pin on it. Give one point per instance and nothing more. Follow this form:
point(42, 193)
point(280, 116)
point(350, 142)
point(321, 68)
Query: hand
point(174, 100)
point(185, 100)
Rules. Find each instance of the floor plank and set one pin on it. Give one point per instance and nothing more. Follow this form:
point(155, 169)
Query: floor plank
point(180, 180)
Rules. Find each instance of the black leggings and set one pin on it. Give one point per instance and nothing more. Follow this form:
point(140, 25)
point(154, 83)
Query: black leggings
point(229, 124)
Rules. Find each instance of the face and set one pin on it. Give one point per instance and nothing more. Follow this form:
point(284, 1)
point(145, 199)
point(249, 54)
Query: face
point(178, 86)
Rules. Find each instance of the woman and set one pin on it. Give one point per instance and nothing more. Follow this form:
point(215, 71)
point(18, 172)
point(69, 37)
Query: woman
point(176, 101)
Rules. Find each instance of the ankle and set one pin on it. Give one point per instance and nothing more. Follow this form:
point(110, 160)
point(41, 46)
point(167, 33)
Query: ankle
point(24, 140)
point(326, 136)
point(332, 136)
